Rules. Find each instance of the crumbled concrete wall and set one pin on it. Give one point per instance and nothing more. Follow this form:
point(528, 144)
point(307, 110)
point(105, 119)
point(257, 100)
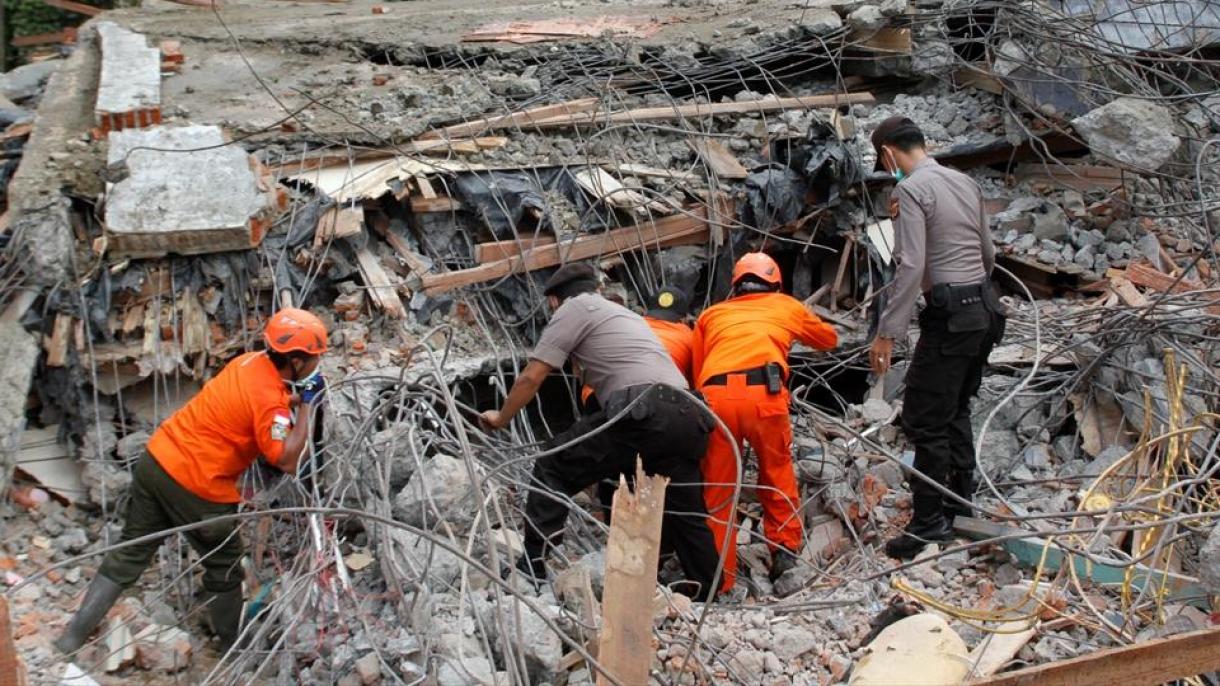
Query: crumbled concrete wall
point(37, 203)
point(16, 372)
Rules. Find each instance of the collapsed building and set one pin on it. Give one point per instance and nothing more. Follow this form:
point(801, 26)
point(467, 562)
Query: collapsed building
point(412, 172)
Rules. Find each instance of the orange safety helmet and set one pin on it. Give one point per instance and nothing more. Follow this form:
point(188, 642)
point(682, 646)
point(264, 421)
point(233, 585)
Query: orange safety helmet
point(294, 330)
point(757, 264)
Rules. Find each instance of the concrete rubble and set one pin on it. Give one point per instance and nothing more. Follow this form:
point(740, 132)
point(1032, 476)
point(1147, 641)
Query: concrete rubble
point(387, 167)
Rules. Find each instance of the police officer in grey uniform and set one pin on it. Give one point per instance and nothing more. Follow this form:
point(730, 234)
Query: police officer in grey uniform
point(944, 251)
point(648, 412)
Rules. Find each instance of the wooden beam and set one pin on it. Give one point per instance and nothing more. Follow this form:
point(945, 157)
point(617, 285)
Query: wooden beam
point(12, 671)
point(887, 39)
point(57, 343)
point(649, 234)
point(513, 120)
point(723, 163)
point(499, 250)
point(77, 7)
point(1127, 292)
point(1143, 664)
point(646, 114)
point(51, 38)
point(605, 188)
point(338, 222)
point(632, 553)
point(381, 290)
point(380, 224)
point(444, 203)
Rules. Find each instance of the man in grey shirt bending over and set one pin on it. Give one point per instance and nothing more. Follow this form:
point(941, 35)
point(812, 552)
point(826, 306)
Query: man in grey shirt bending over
point(629, 370)
point(944, 250)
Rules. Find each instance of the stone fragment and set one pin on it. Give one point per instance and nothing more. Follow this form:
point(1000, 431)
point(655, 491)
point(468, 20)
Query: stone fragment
point(1037, 456)
point(165, 649)
point(1133, 132)
point(866, 18)
point(1045, 219)
point(790, 642)
point(1209, 562)
point(368, 668)
point(441, 489)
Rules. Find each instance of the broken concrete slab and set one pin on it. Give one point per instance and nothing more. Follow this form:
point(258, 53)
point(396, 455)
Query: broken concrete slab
point(129, 92)
point(1132, 132)
point(27, 80)
point(163, 205)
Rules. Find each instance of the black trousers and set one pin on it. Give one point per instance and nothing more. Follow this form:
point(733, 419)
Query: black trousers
point(668, 431)
point(945, 373)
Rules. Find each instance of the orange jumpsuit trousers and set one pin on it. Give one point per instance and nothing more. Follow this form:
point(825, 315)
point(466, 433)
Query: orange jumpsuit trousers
point(760, 419)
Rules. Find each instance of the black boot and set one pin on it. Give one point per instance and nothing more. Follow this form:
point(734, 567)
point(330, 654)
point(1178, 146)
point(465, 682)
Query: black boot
point(782, 560)
point(927, 526)
point(961, 483)
point(98, 600)
point(532, 567)
point(225, 612)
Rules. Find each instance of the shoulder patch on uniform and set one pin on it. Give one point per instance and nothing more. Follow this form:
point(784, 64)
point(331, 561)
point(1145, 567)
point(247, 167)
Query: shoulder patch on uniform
point(279, 427)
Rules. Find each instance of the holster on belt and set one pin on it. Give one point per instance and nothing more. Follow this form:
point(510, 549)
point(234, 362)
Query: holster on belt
point(619, 400)
point(965, 307)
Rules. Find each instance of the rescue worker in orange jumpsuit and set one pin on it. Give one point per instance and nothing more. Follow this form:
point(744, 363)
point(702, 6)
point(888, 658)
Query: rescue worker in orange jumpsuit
point(741, 367)
point(259, 404)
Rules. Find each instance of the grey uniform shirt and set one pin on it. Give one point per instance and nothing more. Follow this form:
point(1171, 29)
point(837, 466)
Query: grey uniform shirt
point(940, 236)
point(614, 346)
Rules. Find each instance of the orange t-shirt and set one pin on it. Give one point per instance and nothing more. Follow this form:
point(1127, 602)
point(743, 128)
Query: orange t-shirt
point(677, 338)
point(749, 331)
point(239, 415)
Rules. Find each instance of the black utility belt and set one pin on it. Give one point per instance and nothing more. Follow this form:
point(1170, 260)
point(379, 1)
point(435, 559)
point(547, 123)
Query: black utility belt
point(959, 296)
point(770, 375)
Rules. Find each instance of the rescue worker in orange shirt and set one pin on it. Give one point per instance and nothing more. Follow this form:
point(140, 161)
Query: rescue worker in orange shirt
point(259, 404)
point(741, 367)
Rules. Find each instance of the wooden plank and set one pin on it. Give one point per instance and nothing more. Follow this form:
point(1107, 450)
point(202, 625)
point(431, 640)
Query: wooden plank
point(979, 77)
point(606, 188)
point(381, 290)
point(632, 553)
point(57, 343)
point(629, 169)
point(650, 234)
point(514, 120)
point(1080, 177)
point(444, 203)
point(647, 114)
point(886, 39)
point(51, 38)
point(338, 222)
point(1127, 292)
point(499, 250)
point(12, 671)
point(77, 7)
point(723, 163)
point(416, 262)
point(844, 258)
point(1143, 664)
point(425, 187)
